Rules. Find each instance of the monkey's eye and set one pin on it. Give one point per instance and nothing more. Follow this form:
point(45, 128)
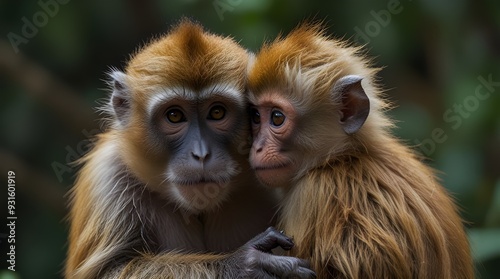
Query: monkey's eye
point(277, 118)
point(175, 115)
point(217, 113)
point(255, 115)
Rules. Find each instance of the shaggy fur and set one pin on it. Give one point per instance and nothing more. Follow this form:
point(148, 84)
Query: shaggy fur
point(363, 206)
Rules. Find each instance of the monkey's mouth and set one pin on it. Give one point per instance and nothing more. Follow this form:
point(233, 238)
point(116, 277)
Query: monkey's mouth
point(200, 181)
point(198, 193)
point(276, 175)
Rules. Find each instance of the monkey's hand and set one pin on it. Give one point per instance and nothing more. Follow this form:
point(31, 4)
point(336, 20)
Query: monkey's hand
point(255, 259)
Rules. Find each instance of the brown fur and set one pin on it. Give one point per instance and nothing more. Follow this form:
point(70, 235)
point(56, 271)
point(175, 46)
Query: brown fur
point(121, 227)
point(366, 207)
point(188, 56)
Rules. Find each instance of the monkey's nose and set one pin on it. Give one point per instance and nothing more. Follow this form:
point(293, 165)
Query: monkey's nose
point(259, 144)
point(199, 157)
point(200, 151)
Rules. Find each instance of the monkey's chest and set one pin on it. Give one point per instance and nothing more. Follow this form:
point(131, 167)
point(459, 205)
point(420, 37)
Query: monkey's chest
point(197, 234)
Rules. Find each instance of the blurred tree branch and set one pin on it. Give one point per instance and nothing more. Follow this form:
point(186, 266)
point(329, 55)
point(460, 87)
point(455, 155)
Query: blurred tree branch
point(44, 87)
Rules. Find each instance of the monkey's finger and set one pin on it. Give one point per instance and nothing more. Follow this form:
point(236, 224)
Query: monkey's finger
point(271, 239)
point(286, 267)
point(306, 272)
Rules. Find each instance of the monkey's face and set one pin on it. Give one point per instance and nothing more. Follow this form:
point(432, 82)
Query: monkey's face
point(273, 155)
point(199, 134)
point(183, 143)
point(186, 144)
point(292, 135)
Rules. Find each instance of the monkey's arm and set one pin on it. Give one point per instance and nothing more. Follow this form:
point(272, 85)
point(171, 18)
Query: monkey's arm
point(253, 260)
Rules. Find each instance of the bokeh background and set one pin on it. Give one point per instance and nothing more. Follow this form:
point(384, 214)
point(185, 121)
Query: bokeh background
point(442, 69)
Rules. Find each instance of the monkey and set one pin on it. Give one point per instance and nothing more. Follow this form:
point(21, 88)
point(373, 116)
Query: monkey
point(357, 202)
point(167, 190)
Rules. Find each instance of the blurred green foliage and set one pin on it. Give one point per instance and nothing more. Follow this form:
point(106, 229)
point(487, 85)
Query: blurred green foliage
point(434, 54)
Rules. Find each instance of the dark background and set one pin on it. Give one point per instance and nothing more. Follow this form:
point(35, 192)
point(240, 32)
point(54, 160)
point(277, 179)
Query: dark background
point(434, 53)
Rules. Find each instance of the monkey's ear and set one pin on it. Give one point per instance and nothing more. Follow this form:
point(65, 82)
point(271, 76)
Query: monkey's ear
point(120, 98)
point(355, 104)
